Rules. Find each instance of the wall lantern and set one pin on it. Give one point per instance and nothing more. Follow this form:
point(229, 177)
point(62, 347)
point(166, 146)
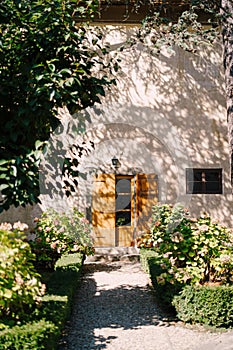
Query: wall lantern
point(116, 163)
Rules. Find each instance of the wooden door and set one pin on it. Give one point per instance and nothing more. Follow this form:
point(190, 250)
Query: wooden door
point(146, 198)
point(103, 210)
point(121, 205)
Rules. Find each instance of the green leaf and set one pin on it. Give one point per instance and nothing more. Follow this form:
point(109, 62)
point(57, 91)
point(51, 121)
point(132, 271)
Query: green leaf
point(52, 67)
point(7, 294)
point(52, 94)
point(3, 161)
point(3, 187)
point(191, 254)
point(66, 70)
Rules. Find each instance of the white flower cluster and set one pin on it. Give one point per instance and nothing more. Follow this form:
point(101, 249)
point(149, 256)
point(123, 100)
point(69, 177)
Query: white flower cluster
point(20, 226)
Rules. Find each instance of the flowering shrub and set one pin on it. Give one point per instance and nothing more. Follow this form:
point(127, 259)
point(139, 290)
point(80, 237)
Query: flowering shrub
point(191, 250)
point(20, 286)
point(57, 234)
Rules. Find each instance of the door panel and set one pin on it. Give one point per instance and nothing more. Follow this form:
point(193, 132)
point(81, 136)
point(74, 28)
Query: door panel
point(103, 210)
point(125, 236)
point(147, 196)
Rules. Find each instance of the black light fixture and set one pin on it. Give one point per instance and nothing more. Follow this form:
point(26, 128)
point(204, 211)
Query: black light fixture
point(115, 162)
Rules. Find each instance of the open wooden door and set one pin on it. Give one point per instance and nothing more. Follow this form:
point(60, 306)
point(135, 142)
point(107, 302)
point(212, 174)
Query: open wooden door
point(121, 205)
point(103, 210)
point(146, 198)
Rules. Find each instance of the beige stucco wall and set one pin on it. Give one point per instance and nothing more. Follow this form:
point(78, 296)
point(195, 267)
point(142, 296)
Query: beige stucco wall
point(166, 114)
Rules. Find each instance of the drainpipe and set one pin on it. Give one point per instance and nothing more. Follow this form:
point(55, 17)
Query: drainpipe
point(135, 209)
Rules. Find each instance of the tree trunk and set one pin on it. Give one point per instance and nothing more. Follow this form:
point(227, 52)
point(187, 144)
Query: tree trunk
point(227, 34)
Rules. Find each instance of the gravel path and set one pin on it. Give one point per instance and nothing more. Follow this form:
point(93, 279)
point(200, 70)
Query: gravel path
point(115, 309)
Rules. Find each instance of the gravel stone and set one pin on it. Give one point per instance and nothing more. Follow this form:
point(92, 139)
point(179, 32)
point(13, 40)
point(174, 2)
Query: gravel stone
point(115, 309)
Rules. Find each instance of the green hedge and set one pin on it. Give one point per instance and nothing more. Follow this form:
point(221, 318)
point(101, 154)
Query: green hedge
point(209, 305)
point(44, 331)
point(147, 255)
point(32, 336)
point(164, 292)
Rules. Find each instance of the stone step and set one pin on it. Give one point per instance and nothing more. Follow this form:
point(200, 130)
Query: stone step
point(108, 254)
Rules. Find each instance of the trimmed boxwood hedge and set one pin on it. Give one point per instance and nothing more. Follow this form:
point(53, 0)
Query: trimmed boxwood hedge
point(164, 293)
point(36, 335)
point(209, 305)
point(44, 331)
point(147, 255)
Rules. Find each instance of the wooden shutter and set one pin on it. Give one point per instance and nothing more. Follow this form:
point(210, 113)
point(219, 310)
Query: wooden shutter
point(103, 210)
point(147, 196)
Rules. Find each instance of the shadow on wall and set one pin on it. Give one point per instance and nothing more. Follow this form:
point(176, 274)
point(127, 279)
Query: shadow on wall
point(187, 89)
point(166, 113)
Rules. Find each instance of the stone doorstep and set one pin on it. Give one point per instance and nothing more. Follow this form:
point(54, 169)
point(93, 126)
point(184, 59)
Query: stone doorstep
point(108, 254)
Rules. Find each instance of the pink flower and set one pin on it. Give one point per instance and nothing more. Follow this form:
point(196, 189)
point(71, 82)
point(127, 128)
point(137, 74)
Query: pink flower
point(6, 226)
point(53, 245)
point(19, 280)
point(75, 248)
point(157, 223)
point(160, 280)
point(166, 255)
point(84, 220)
point(20, 226)
point(43, 289)
point(193, 219)
point(203, 228)
point(163, 266)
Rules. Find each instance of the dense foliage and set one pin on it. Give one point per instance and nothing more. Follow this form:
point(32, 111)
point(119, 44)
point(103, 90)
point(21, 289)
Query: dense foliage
point(207, 304)
point(165, 292)
point(20, 286)
point(57, 234)
point(34, 336)
point(44, 325)
point(47, 61)
point(186, 24)
point(190, 250)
